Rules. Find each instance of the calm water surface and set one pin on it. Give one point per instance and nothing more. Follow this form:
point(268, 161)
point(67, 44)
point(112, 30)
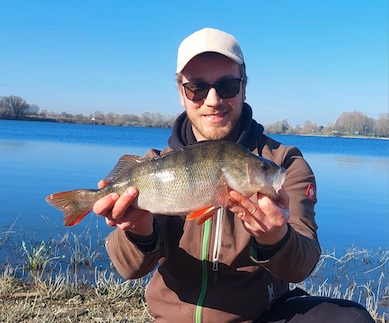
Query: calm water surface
point(38, 158)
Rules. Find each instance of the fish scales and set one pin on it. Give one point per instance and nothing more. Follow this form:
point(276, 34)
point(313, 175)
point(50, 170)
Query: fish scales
point(180, 182)
point(183, 180)
point(188, 181)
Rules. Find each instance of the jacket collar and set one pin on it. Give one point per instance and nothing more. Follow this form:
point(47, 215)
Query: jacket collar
point(250, 131)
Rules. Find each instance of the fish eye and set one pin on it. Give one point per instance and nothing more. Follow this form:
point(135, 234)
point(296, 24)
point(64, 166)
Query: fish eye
point(265, 166)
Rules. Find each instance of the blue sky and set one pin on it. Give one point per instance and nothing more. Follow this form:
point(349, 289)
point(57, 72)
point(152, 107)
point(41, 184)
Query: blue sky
point(306, 59)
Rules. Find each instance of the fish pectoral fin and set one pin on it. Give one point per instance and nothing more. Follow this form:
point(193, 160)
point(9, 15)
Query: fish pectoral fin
point(222, 193)
point(221, 199)
point(125, 163)
point(202, 214)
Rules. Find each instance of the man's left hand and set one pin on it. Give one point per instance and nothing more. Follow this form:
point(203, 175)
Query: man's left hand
point(265, 219)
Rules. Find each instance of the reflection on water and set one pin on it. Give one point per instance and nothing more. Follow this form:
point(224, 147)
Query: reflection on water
point(6, 145)
point(376, 164)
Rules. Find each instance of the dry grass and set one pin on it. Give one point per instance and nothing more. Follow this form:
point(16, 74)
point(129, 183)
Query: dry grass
point(58, 299)
point(70, 280)
point(359, 275)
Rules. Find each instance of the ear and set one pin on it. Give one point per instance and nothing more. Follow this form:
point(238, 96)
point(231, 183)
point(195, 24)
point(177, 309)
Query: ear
point(182, 94)
point(244, 92)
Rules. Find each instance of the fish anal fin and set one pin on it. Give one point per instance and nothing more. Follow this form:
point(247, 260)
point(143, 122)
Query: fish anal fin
point(124, 163)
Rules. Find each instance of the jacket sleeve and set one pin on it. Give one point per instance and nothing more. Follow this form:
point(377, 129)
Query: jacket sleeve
point(128, 256)
point(299, 253)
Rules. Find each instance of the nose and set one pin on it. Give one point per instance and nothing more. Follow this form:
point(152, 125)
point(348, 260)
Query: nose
point(212, 98)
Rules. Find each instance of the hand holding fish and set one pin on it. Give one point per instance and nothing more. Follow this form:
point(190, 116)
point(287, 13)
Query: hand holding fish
point(265, 219)
point(118, 212)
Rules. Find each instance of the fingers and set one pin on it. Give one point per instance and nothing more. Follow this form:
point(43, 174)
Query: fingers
point(244, 208)
point(123, 203)
point(119, 213)
point(110, 222)
point(263, 218)
point(105, 204)
point(113, 206)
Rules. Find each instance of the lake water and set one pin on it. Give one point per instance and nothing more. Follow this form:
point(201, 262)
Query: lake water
point(40, 158)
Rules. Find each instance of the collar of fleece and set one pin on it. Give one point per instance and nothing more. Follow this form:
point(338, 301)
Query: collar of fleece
point(182, 134)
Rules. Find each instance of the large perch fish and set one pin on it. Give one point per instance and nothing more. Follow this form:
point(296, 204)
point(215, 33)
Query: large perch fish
point(192, 181)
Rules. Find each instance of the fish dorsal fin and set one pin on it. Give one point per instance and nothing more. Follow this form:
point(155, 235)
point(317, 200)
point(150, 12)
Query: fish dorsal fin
point(125, 163)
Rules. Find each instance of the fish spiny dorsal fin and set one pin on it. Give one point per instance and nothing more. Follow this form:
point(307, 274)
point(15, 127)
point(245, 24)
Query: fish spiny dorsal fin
point(125, 163)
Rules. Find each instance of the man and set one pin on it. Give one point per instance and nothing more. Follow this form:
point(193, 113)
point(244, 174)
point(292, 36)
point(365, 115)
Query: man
point(265, 244)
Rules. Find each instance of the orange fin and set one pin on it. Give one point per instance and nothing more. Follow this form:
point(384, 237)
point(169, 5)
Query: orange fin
point(207, 216)
point(202, 214)
point(75, 205)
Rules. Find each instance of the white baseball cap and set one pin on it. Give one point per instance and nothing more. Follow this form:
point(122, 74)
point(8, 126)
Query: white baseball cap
point(208, 40)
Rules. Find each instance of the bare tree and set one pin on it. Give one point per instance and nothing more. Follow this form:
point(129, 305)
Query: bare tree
point(278, 127)
point(147, 119)
point(309, 127)
point(354, 122)
point(130, 120)
point(16, 107)
point(34, 109)
point(99, 116)
point(382, 125)
point(110, 118)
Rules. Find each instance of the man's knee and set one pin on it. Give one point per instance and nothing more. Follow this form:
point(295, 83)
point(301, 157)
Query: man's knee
point(318, 309)
point(340, 310)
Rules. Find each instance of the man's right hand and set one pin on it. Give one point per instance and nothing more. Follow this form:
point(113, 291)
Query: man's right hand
point(119, 213)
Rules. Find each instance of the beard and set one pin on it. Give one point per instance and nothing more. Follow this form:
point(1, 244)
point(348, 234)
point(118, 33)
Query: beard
point(225, 132)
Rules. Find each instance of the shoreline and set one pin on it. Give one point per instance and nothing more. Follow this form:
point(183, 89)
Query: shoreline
point(27, 119)
point(327, 135)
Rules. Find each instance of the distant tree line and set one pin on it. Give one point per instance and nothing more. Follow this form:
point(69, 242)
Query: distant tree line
point(348, 123)
point(16, 108)
point(352, 123)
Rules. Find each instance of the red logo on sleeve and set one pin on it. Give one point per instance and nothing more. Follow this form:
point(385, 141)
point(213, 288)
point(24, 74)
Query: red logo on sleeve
point(310, 192)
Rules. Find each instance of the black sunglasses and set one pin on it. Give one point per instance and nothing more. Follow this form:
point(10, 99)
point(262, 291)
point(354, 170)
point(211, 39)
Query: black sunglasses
point(226, 89)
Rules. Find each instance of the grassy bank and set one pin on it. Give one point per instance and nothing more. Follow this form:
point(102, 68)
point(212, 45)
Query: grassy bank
point(70, 279)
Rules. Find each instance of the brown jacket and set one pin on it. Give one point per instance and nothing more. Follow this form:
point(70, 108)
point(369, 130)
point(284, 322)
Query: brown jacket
point(186, 288)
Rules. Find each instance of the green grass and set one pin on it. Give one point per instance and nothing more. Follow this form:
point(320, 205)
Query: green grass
point(70, 279)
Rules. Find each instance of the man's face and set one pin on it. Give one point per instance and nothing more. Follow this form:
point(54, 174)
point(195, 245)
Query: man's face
point(212, 118)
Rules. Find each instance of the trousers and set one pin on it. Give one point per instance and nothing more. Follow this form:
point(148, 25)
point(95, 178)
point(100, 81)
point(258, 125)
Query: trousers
point(298, 306)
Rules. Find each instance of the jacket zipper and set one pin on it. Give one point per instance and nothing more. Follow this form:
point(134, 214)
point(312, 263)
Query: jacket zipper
point(204, 259)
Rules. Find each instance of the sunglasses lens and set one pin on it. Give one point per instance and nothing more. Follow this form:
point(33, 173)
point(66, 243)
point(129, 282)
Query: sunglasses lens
point(199, 91)
point(196, 91)
point(228, 89)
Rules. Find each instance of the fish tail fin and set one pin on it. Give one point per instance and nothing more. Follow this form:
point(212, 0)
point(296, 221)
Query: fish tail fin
point(75, 204)
point(203, 214)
